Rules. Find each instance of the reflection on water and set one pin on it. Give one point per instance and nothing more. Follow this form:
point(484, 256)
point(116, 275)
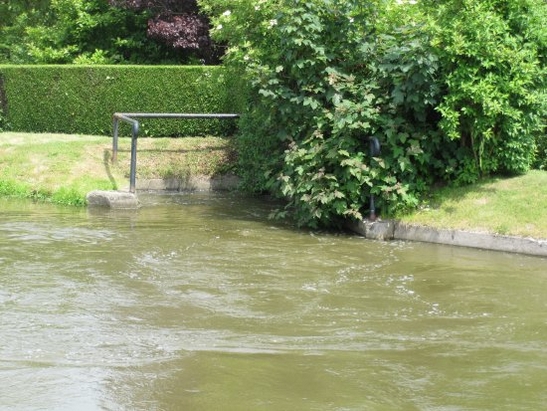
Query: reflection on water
point(198, 302)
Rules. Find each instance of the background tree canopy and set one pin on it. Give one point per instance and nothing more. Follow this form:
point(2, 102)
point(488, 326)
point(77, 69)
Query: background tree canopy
point(178, 24)
point(104, 32)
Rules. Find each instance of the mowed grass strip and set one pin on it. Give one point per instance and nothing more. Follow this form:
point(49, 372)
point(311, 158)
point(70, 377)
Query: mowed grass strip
point(506, 206)
point(64, 168)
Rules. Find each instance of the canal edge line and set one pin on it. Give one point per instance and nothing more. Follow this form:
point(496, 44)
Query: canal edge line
point(124, 199)
point(386, 230)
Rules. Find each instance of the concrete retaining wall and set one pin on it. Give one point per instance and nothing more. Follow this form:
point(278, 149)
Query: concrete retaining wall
point(393, 230)
point(123, 199)
point(195, 183)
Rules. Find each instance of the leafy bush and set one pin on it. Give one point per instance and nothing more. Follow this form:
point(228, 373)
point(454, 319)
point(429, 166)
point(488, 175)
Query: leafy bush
point(323, 86)
point(451, 93)
point(492, 54)
point(82, 99)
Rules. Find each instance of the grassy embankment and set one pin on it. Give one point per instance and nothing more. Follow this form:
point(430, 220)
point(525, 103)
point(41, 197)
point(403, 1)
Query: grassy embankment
point(64, 168)
point(509, 206)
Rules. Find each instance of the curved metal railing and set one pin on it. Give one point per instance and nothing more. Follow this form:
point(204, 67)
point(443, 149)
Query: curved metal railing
point(131, 119)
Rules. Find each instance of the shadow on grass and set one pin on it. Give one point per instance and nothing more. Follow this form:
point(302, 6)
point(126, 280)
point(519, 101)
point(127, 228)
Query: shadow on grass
point(107, 159)
point(450, 193)
point(179, 150)
point(174, 162)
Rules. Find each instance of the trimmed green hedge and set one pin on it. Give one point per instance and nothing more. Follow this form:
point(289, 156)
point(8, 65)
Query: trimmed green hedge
point(82, 99)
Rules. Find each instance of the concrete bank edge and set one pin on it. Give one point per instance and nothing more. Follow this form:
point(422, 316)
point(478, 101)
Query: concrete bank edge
point(123, 199)
point(384, 230)
point(395, 230)
point(194, 183)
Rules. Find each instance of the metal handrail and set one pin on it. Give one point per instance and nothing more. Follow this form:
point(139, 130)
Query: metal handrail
point(130, 118)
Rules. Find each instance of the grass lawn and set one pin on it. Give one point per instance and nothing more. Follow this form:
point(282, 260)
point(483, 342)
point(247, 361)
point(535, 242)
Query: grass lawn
point(64, 168)
point(510, 206)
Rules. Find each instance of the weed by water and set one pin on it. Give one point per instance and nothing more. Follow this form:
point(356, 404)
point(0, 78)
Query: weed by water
point(9, 188)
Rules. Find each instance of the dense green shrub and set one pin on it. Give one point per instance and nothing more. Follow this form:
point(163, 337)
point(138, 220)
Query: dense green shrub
point(541, 151)
point(82, 99)
point(448, 97)
point(317, 98)
point(492, 54)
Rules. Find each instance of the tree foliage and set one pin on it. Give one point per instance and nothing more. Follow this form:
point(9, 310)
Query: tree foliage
point(493, 71)
point(103, 31)
point(178, 24)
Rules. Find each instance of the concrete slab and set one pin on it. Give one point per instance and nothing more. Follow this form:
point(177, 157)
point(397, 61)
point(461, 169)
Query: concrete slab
point(394, 230)
point(374, 230)
point(112, 199)
point(127, 200)
point(482, 240)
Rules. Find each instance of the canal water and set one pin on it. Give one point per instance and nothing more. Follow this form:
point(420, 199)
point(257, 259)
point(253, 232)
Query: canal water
point(199, 302)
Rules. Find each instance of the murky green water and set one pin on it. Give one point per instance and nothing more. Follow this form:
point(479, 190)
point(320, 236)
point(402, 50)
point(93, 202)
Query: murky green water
point(198, 302)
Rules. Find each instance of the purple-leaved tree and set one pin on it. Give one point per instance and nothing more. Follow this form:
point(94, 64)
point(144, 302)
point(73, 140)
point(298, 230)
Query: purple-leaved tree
point(179, 24)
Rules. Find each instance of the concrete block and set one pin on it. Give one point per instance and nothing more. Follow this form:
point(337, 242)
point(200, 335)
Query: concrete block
point(112, 199)
point(375, 230)
point(481, 240)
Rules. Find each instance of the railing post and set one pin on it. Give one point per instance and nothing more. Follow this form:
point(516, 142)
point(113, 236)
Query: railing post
point(374, 152)
point(115, 140)
point(133, 171)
